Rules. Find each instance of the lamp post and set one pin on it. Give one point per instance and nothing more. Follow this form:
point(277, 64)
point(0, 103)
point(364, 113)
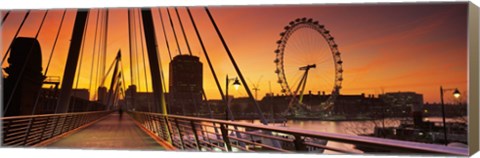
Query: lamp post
point(236, 84)
point(456, 94)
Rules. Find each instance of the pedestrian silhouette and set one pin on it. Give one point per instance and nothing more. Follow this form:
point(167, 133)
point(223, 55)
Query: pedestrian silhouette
point(120, 112)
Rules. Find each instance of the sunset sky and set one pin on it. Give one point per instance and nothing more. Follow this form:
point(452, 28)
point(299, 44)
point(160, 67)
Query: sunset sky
point(385, 47)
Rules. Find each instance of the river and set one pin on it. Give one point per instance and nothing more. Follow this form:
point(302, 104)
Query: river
point(346, 127)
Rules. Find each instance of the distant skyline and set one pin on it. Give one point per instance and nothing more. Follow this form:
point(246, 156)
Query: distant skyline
point(385, 47)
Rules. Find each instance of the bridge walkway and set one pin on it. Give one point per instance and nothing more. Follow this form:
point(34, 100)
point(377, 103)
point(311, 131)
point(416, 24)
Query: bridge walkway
point(112, 132)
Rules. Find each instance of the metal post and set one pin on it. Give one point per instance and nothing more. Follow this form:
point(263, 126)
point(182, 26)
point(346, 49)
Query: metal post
point(299, 143)
point(28, 130)
point(225, 137)
point(44, 128)
point(226, 99)
point(199, 148)
point(168, 131)
point(443, 117)
point(179, 134)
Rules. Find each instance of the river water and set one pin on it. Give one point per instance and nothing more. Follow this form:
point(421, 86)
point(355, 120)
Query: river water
point(346, 127)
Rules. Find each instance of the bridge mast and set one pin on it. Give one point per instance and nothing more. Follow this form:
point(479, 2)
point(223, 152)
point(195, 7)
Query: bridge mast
point(151, 42)
point(72, 60)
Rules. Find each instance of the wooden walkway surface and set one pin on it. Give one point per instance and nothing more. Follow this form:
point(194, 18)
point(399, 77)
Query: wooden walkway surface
point(109, 133)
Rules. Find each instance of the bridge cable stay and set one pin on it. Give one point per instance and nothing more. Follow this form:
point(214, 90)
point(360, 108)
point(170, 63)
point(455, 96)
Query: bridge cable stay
point(23, 69)
point(164, 33)
point(140, 50)
point(104, 39)
point(135, 67)
point(98, 73)
point(15, 36)
point(210, 65)
point(5, 17)
point(237, 69)
point(101, 51)
point(174, 32)
point(38, 94)
point(124, 82)
point(63, 101)
point(49, 59)
point(94, 48)
point(168, 48)
point(189, 51)
point(114, 81)
point(118, 85)
point(55, 42)
point(134, 47)
point(143, 54)
point(135, 43)
point(240, 75)
point(183, 31)
point(104, 78)
point(132, 80)
point(24, 66)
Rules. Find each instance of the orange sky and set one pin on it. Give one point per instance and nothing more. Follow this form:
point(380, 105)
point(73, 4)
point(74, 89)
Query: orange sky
point(389, 48)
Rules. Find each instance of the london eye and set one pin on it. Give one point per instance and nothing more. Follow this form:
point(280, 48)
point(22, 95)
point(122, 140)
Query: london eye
point(307, 51)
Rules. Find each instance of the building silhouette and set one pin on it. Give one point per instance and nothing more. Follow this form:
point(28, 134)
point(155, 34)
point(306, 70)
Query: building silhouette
point(409, 103)
point(24, 77)
point(185, 84)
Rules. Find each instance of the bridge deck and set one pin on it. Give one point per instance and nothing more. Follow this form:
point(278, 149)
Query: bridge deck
point(110, 133)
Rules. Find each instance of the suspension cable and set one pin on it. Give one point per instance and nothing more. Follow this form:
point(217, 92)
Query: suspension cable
point(49, 59)
point(174, 32)
point(123, 76)
point(130, 47)
point(143, 52)
point(38, 94)
point(16, 34)
point(103, 78)
point(55, 42)
point(108, 72)
point(104, 45)
point(137, 33)
point(206, 54)
point(183, 31)
point(98, 76)
point(93, 51)
point(237, 69)
point(5, 17)
point(135, 43)
point(164, 33)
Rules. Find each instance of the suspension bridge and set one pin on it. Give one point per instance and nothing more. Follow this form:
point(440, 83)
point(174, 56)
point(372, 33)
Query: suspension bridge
point(47, 111)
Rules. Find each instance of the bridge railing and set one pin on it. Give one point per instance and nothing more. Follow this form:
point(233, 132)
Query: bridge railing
point(33, 129)
point(200, 134)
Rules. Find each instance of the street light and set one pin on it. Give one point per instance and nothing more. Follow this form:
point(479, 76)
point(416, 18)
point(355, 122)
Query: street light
point(236, 85)
point(456, 94)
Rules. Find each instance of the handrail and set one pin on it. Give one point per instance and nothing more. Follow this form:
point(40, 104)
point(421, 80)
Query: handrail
point(45, 115)
point(33, 129)
point(299, 140)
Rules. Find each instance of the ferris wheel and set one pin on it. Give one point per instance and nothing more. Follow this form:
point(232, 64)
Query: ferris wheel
point(307, 51)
